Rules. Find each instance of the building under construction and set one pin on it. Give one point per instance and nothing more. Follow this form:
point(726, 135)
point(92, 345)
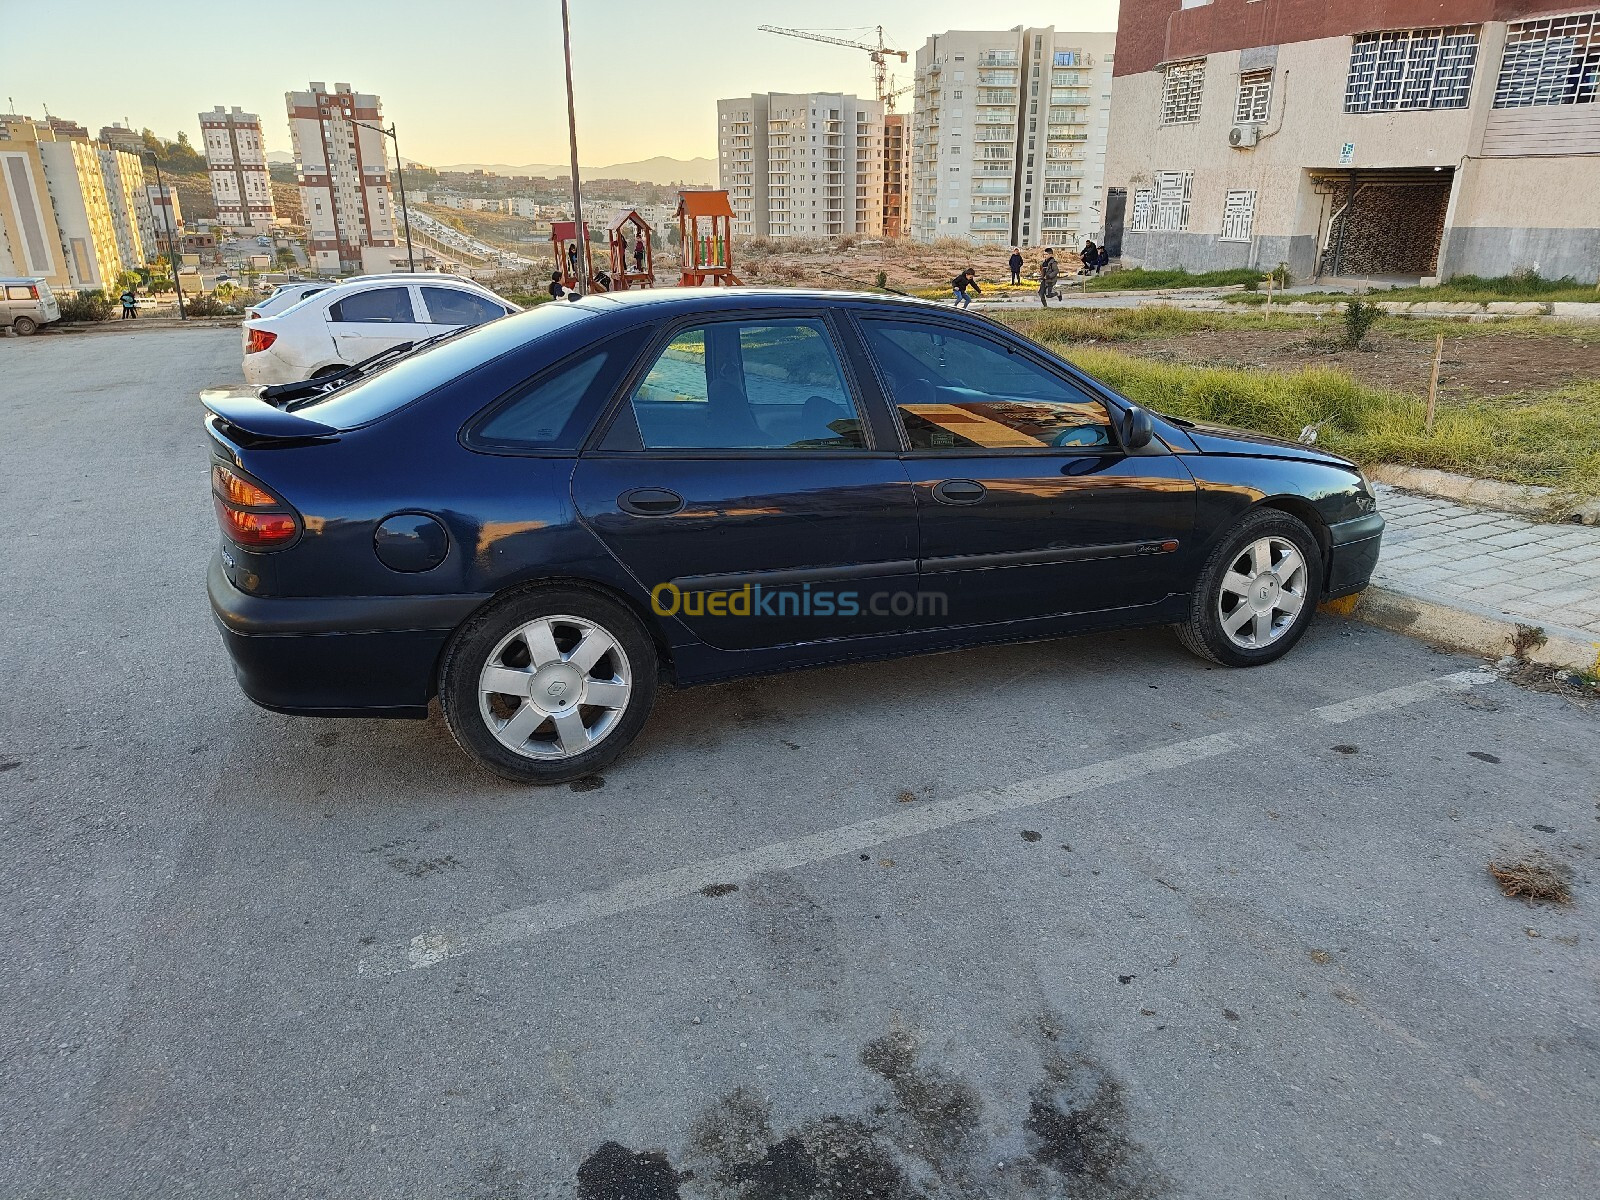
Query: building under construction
point(1452, 137)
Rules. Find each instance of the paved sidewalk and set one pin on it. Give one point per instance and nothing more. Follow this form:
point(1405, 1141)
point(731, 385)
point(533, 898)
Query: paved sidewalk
point(1492, 563)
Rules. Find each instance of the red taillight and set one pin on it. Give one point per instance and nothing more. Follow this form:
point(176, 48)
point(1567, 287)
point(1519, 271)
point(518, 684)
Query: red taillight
point(258, 340)
point(33, 292)
point(249, 514)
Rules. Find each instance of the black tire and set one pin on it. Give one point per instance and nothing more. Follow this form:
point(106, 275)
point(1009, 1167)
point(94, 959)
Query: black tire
point(469, 654)
point(25, 326)
point(1204, 632)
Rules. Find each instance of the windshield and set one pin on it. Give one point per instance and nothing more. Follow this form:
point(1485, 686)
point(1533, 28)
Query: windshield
point(365, 400)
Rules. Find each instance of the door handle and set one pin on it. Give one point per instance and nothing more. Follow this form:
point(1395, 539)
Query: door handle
point(959, 491)
point(650, 502)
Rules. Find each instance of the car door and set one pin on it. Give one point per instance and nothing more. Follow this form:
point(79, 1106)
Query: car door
point(1029, 505)
point(363, 323)
point(451, 308)
point(740, 483)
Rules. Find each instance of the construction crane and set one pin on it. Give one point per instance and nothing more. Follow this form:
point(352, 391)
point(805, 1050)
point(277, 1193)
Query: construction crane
point(894, 93)
point(879, 54)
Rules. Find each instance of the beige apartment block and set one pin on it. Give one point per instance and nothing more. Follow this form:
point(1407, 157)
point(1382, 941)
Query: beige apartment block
point(802, 164)
point(122, 174)
point(30, 240)
point(83, 212)
point(1008, 136)
point(1360, 140)
point(344, 175)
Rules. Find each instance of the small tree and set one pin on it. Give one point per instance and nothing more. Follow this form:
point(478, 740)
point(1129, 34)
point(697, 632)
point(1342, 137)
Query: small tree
point(1359, 318)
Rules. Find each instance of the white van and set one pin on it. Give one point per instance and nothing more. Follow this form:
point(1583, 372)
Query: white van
point(26, 304)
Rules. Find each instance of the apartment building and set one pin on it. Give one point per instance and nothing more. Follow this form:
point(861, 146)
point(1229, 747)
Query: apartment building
point(30, 240)
point(1369, 138)
point(166, 214)
point(1008, 136)
point(896, 172)
point(122, 173)
point(803, 164)
point(236, 160)
point(57, 215)
point(119, 137)
point(343, 170)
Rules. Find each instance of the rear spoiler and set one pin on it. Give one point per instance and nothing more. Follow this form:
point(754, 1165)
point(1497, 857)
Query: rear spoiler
point(244, 410)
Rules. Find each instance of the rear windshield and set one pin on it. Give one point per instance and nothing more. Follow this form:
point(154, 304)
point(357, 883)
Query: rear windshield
point(377, 395)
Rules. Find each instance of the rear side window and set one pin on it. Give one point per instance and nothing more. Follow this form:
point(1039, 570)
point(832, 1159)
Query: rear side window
point(379, 394)
point(448, 306)
point(13, 292)
point(554, 410)
point(391, 305)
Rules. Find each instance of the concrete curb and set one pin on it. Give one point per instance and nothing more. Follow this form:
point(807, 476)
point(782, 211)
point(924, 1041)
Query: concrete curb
point(1540, 503)
point(1457, 627)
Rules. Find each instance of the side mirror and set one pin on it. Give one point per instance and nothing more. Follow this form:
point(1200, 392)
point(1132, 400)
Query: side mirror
point(1137, 428)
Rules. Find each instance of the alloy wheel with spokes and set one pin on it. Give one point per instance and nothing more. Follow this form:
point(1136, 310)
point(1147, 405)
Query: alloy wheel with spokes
point(1262, 592)
point(555, 686)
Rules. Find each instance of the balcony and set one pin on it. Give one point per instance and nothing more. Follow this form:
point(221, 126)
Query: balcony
point(1005, 96)
point(998, 58)
point(996, 221)
point(997, 78)
point(997, 133)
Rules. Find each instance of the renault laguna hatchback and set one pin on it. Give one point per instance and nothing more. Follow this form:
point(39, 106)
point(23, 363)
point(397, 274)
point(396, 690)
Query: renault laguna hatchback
point(536, 522)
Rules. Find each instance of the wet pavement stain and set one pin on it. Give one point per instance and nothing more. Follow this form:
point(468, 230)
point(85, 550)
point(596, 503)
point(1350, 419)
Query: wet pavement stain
point(1031, 835)
point(718, 889)
point(1483, 756)
point(587, 783)
point(613, 1172)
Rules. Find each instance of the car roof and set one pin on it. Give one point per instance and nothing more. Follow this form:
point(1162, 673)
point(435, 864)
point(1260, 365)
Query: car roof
point(717, 299)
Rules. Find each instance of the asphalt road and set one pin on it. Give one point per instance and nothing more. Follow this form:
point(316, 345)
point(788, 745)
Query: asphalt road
point(1086, 918)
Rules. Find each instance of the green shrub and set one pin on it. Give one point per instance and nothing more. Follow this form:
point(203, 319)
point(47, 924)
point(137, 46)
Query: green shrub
point(208, 305)
point(87, 306)
point(1359, 317)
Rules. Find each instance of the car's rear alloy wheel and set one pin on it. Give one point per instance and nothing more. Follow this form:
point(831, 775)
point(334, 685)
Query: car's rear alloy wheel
point(548, 685)
point(1257, 592)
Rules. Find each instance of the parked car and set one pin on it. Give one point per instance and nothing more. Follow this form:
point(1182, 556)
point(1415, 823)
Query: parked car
point(263, 240)
point(536, 520)
point(26, 304)
point(296, 290)
point(344, 324)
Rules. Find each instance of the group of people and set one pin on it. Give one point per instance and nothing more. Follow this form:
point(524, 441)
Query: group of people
point(601, 278)
point(1094, 258)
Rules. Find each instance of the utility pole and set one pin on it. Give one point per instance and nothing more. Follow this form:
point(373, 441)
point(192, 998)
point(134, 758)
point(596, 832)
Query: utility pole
point(572, 138)
point(400, 174)
point(169, 222)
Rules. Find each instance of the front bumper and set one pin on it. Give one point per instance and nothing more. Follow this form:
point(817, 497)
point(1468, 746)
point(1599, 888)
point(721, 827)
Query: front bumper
point(1354, 547)
point(336, 656)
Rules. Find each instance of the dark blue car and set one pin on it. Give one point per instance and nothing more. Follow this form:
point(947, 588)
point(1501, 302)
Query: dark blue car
point(537, 520)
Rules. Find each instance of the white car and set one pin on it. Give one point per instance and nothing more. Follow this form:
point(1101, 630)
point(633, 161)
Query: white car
point(288, 294)
point(352, 321)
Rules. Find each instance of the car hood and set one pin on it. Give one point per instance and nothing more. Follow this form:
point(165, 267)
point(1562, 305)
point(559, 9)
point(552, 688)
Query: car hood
point(1223, 439)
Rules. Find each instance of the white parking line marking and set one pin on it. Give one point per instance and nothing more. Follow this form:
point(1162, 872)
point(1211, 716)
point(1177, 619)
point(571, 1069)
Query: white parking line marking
point(538, 920)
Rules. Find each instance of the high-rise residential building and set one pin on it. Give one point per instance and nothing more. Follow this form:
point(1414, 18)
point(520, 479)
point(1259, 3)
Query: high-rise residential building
point(166, 214)
point(896, 172)
point(236, 159)
point(344, 178)
point(1357, 139)
point(802, 164)
point(122, 173)
point(83, 212)
point(30, 240)
point(120, 137)
point(1008, 136)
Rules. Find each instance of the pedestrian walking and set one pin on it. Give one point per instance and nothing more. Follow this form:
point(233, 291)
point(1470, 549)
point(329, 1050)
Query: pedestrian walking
point(961, 284)
point(130, 305)
point(1015, 263)
point(1049, 273)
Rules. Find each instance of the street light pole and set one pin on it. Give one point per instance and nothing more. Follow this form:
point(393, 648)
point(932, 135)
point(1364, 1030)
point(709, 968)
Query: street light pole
point(169, 222)
point(579, 232)
point(400, 174)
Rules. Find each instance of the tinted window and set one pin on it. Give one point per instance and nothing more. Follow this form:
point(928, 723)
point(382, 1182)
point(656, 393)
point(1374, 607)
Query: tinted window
point(448, 306)
point(379, 394)
point(390, 305)
point(769, 385)
point(539, 416)
point(958, 391)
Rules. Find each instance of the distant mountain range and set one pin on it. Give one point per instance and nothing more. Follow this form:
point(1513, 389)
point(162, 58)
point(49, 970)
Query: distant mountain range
point(701, 172)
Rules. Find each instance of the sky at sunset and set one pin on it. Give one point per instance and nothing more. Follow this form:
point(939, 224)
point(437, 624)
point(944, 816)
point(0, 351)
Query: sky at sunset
point(473, 80)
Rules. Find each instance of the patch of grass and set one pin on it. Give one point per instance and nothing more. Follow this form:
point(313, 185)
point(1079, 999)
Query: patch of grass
point(1466, 289)
point(1139, 279)
point(1550, 438)
point(1535, 877)
point(1128, 324)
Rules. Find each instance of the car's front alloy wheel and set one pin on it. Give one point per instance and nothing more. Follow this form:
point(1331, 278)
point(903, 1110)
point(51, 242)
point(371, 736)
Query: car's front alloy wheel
point(548, 685)
point(1257, 591)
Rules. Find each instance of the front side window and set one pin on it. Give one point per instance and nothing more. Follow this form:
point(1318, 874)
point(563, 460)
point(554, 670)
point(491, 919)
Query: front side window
point(959, 391)
point(748, 385)
point(391, 305)
point(1181, 84)
point(450, 306)
point(1409, 69)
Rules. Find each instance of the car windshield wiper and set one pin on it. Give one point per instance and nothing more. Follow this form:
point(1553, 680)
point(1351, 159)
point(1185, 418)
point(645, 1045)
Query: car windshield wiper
point(308, 391)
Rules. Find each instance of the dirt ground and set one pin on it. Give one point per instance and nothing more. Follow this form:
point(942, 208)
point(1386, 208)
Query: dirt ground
point(1475, 364)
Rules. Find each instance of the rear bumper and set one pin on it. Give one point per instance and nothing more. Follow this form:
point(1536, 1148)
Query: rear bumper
point(1355, 546)
point(340, 656)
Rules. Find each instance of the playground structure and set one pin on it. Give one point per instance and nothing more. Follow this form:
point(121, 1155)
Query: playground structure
point(705, 220)
point(563, 238)
point(626, 231)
